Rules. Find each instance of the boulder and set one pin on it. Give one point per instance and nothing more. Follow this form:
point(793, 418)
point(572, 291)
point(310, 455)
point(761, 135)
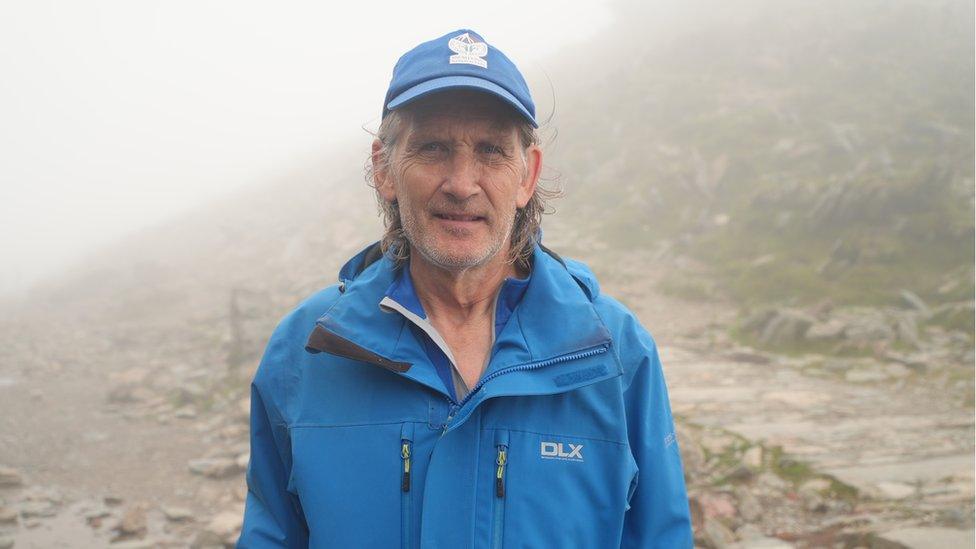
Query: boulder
point(786, 326)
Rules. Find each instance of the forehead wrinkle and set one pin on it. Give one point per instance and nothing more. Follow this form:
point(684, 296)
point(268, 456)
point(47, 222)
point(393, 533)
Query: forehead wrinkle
point(459, 128)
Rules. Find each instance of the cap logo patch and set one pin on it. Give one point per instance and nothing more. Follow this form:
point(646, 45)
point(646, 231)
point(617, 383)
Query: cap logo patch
point(468, 51)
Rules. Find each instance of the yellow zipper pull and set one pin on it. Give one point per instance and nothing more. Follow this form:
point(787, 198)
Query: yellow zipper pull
point(500, 472)
point(405, 454)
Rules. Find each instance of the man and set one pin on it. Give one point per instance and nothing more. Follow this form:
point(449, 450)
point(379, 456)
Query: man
point(461, 386)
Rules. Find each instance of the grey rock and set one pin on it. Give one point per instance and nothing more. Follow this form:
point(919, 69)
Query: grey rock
point(866, 375)
point(10, 477)
point(6, 543)
point(825, 331)
point(718, 535)
point(907, 331)
point(214, 467)
point(148, 543)
point(749, 507)
point(786, 326)
point(931, 538)
point(815, 485)
point(112, 500)
point(897, 370)
point(8, 515)
point(917, 362)
point(748, 355)
point(133, 523)
point(753, 457)
point(189, 392)
point(761, 543)
point(38, 508)
point(771, 482)
point(868, 330)
point(948, 286)
point(912, 301)
point(128, 394)
point(226, 526)
point(177, 514)
point(895, 490)
point(186, 412)
point(749, 531)
point(838, 365)
point(207, 540)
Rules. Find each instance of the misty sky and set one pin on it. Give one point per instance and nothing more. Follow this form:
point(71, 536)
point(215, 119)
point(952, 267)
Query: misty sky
point(119, 114)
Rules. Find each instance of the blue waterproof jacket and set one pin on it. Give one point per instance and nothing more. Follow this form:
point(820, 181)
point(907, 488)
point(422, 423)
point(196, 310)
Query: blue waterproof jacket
point(566, 441)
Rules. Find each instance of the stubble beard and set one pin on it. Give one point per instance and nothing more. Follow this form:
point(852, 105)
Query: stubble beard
point(425, 242)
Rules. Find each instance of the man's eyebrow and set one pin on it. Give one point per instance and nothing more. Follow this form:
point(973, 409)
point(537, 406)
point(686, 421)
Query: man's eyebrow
point(499, 134)
point(418, 136)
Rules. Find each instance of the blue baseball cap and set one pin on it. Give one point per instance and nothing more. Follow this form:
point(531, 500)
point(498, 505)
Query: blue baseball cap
point(460, 59)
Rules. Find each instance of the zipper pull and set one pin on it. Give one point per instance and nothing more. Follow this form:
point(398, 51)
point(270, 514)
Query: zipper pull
point(500, 472)
point(405, 454)
point(447, 421)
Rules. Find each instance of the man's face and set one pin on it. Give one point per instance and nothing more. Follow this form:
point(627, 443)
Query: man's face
point(458, 174)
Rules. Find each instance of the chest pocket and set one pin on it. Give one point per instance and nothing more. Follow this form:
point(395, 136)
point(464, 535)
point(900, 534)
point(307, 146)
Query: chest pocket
point(552, 490)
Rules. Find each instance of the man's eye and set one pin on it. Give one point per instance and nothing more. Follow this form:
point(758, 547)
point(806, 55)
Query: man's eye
point(492, 149)
point(434, 146)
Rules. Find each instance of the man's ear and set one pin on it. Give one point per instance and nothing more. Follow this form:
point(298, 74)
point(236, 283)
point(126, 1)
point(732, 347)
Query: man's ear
point(381, 172)
point(533, 167)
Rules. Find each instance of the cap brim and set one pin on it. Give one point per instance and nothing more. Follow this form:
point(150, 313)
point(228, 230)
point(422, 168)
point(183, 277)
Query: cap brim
point(456, 82)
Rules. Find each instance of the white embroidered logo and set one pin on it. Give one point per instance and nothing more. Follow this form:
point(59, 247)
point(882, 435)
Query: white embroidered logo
point(468, 51)
point(556, 450)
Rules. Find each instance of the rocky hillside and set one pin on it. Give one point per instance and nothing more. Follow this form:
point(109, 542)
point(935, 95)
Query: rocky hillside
point(799, 151)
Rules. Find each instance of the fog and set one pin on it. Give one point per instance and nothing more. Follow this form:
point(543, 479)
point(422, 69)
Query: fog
point(118, 115)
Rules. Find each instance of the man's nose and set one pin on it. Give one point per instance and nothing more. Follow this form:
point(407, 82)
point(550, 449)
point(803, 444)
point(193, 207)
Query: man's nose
point(463, 178)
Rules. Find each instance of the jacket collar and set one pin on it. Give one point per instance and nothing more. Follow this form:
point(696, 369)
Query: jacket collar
point(555, 318)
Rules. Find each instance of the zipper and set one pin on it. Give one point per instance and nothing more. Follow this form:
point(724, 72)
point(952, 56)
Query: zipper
point(406, 455)
point(450, 415)
point(522, 367)
point(498, 508)
point(532, 366)
point(500, 461)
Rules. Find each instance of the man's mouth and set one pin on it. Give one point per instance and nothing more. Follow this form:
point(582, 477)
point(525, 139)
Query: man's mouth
point(458, 217)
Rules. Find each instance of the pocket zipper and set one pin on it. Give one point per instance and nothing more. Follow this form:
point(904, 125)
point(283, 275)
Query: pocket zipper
point(500, 472)
point(406, 453)
point(501, 462)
